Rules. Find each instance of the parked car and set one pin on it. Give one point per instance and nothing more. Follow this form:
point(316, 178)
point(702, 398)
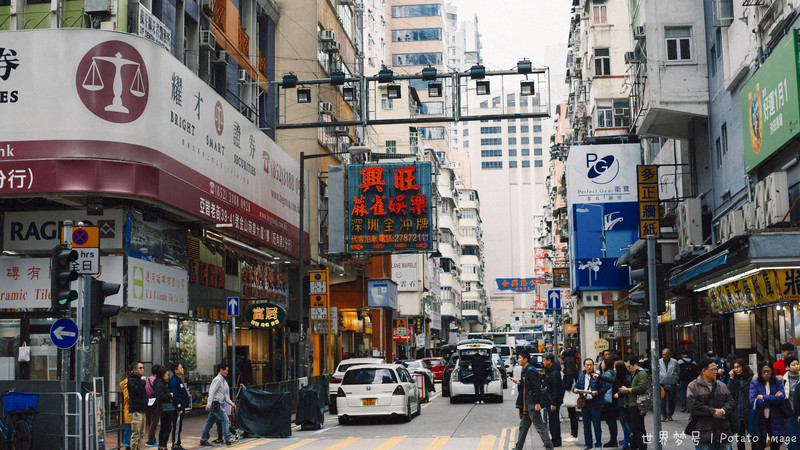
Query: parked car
point(461, 378)
point(416, 366)
point(448, 371)
point(498, 362)
point(377, 390)
point(338, 374)
point(436, 365)
point(505, 352)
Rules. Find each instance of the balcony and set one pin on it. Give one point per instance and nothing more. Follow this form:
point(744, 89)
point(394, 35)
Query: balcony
point(450, 309)
point(219, 15)
point(244, 42)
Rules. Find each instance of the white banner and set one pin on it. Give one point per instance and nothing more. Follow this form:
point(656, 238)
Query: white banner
point(32, 231)
point(404, 272)
point(157, 287)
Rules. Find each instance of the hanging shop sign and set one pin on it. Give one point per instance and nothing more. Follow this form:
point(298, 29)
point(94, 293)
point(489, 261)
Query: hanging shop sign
point(647, 187)
point(389, 206)
point(265, 315)
point(516, 284)
point(765, 287)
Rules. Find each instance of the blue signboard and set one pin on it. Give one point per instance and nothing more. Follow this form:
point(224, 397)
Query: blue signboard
point(233, 306)
point(382, 294)
point(64, 333)
point(554, 299)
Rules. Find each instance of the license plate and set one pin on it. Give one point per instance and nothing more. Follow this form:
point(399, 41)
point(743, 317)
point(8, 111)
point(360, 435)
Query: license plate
point(368, 401)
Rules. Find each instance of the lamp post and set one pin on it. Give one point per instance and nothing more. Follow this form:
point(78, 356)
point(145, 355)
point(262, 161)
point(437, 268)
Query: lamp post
point(353, 151)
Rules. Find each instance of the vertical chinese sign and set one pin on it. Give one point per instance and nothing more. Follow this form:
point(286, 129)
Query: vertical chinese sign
point(389, 206)
point(647, 184)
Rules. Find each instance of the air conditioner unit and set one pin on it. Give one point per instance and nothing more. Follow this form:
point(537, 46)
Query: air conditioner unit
point(207, 6)
point(243, 76)
point(222, 57)
point(621, 112)
point(731, 224)
point(749, 213)
point(207, 40)
point(638, 33)
point(690, 223)
point(345, 2)
point(327, 35)
point(341, 130)
point(776, 193)
point(633, 57)
point(325, 108)
point(335, 47)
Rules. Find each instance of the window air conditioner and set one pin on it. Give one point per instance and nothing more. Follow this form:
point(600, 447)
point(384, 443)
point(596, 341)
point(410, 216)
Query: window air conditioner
point(638, 33)
point(335, 47)
point(327, 35)
point(341, 130)
point(222, 57)
point(243, 76)
point(207, 40)
point(345, 2)
point(633, 57)
point(621, 112)
point(325, 107)
point(207, 6)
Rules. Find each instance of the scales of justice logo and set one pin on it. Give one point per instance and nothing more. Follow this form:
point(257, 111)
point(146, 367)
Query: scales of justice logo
point(112, 82)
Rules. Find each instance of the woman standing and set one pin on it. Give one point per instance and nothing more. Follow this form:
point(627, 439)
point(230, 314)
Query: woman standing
point(570, 375)
point(610, 408)
point(767, 393)
point(739, 386)
point(164, 404)
point(126, 415)
point(622, 378)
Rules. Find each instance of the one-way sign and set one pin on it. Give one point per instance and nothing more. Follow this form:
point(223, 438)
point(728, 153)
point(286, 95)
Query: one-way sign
point(64, 333)
point(233, 306)
point(554, 299)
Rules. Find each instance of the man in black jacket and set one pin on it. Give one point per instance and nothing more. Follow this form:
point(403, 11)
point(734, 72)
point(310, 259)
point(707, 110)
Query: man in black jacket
point(554, 390)
point(533, 400)
point(137, 405)
point(479, 372)
point(711, 405)
point(180, 398)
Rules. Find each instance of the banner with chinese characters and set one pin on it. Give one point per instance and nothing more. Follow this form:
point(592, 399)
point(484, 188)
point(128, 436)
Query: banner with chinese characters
point(766, 286)
point(389, 206)
point(516, 284)
point(265, 315)
point(647, 186)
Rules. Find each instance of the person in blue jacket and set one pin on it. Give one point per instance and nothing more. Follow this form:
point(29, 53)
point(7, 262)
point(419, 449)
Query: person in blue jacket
point(767, 393)
point(588, 380)
point(180, 398)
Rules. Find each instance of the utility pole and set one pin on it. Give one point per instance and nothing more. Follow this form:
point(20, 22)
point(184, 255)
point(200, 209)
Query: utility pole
point(654, 344)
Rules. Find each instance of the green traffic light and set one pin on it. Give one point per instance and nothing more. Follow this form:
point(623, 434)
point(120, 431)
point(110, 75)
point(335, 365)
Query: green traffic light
point(71, 297)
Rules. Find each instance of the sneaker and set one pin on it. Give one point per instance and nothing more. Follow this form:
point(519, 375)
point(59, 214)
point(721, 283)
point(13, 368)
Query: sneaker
point(218, 441)
point(206, 444)
point(571, 439)
point(151, 444)
point(177, 447)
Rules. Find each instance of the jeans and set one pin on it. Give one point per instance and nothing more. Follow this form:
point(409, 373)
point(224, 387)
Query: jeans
point(638, 431)
point(591, 417)
point(725, 446)
point(553, 422)
point(626, 427)
point(213, 417)
point(684, 386)
point(126, 435)
point(535, 418)
point(668, 405)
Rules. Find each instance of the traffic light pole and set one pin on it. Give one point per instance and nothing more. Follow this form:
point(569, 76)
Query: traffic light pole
point(654, 344)
point(85, 326)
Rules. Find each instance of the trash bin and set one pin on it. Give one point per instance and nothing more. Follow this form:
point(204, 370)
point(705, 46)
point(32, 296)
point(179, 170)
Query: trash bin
point(310, 408)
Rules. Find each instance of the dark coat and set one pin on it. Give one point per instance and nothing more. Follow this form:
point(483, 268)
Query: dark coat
point(702, 400)
point(137, 394)
point(534, 393)
point(594, 385)
point(161, 389)
point(739, 387)
point(772, 400)
point(479, 369)
point(552, 384)
point(180, 397)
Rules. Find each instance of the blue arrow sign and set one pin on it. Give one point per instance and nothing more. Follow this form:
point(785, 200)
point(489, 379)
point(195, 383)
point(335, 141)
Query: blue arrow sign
point(554, 299)
point(64, 333)
point(233, 306)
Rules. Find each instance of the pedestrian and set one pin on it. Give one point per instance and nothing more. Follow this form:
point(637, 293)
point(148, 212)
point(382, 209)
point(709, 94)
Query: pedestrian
point(767, 394)
point(668, 370)
point(126, 415)
point(780, 366)
point(711, 406)
point(739, 386)
point(166, 410)
point(687, 373)
point(622, 378)
point(568, 381)
point(479, 373)
point(137, 404)
point(152, 407)
point(218, 395)
point(593, 391)
point(610, 409)
point(533, 401)
point(602, 356)
point(639, 382)
point(554, 389)
point(722, 367)
point(790, 388)
point(181, 400)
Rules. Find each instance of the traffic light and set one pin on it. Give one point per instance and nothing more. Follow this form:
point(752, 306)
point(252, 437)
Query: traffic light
point(642, 297)
point(98, 293)
point(61, 275)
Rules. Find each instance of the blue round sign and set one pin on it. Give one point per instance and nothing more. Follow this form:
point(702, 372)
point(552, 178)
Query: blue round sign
point(64, 333)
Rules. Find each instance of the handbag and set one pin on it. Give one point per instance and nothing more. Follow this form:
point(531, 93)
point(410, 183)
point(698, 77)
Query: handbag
point(581, 402)
point(645, 401)
point(608, 397)
point(785, 407)
point(570, 399)
point(167, 407)
point(753, 428)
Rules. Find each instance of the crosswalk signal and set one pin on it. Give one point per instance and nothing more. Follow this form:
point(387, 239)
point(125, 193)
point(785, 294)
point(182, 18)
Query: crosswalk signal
point(98, 293)
point(61, 275)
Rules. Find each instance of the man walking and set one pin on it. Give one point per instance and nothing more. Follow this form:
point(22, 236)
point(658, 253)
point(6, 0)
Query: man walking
point(137, 405)
point(180, 398)
point(688, 371)
point(710, 404)
point(533, 401)
point(554, 390)
point(479, 372)
point(668, 370)
point(218, 395)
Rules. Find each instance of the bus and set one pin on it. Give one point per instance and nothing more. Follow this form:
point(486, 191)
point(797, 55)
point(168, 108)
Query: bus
point(512, 338)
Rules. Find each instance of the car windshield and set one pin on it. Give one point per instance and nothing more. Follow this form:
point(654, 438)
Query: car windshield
point(344, 367)
point(431, 362)
point(470, 354)
point(370, 375)
point(413, 364)
point(503, 351)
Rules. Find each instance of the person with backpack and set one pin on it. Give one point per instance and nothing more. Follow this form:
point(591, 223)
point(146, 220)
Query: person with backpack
point(152, 408)
point(688, 372)
point(640, 383)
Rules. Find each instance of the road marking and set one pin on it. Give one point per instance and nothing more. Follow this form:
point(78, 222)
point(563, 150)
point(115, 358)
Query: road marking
point(512, 437)
point(486, 442)
point(503, 437)
point(250, 443)
point(390, 443)
point(343, 443)
point(299, 444)
point(438, 443)
point(431, 400)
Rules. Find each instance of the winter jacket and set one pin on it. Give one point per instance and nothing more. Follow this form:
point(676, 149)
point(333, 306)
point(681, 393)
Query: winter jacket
point(534, 394)
point(702, 400)
point(790, 385)
point(123, 385)
point(739, 387)
point(638, 386)
point(180, 396)
point(595, 385)
point(137, 393)
point(553, 385)
point(161, 390)
point(770, 401)
point(668, 372)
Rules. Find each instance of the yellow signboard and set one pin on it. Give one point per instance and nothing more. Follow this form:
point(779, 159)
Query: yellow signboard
point(766, 286)
point(647, 174)
point(601, 345)
point(647, 188)
point(319, 300)
point(570, 328)
point(600, 312)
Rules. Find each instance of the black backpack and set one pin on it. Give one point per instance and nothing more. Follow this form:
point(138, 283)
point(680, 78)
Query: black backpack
point(689, 370)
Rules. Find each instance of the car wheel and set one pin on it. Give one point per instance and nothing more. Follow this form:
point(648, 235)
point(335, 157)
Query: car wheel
point(343, 420)
point(407, 417)
point(419, 408)
point(452, 400)
point(332, 406)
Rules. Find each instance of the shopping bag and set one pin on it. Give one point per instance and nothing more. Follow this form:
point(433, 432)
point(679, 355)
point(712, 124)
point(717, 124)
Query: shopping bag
point(24, 353)
point(570, 399)
point(754, 419)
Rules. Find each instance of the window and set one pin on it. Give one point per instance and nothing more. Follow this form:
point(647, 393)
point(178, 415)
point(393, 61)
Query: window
point(526, 163)
point(512, 152)
point(679, 43)
point(495, 102)
point(466, 144)
point(491, 153)
point(492, 141)
point(537, 152)
point(621, 113)
point(417, 34)
point(428, 108)
point(523, 101)
point(524, 129)
point(417, 59)
point(491, 165)
point(415, 11)
point(537, 139)
point(432, 133)
point(605, 117)
point(724, 136)
point(491, 130)
point(465, 132)
point(602, 62)
point(526, 152)
point(512, 141)
point(718, 144)
point(386, 102)
point(468, 213)
point(510, 100)
point(599, 10)
point(525, 140)
point(712, 65)
point(484, 105)
point(512, 129)
point(537, 163)
point(512, 164)
point(537, 128)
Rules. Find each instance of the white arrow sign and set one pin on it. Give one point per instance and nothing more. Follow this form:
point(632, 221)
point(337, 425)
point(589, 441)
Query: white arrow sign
point(232, 303)
point(61, 334)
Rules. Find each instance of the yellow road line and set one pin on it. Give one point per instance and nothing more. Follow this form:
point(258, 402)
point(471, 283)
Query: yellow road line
point(502, 437)
point(512, 437)
point(343, 443)
point(438, 443)
point(299, 444)
point(250, 443)
point(426, 404)
point(390, 443)
point(486, 442)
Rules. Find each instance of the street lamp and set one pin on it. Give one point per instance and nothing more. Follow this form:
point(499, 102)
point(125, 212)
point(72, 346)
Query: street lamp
point(353, 151)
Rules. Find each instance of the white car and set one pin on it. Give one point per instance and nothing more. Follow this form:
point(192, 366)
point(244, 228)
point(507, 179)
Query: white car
point(336, 378)
point(461, 379)
point(377, 390)
point(505, 352)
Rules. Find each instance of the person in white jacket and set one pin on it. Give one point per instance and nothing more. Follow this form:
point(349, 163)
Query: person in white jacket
point(668, 370)
point(219, 395)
